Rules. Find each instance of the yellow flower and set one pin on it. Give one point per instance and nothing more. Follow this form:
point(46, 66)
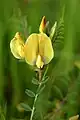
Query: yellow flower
point(17, 46)
point(39, 62)
point(42, 25)
point(37, 49)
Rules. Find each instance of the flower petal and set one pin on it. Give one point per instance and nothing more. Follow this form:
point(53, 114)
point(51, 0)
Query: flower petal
point(42, 25)
point(45, 48)
point(39, 62)
point(17, 46)
point(31, 49)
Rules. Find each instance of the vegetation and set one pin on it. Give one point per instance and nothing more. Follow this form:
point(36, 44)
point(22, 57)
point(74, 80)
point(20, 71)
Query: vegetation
point(60, 98)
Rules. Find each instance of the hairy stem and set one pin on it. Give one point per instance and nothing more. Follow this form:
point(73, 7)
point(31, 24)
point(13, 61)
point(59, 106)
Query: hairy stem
point(36, 96)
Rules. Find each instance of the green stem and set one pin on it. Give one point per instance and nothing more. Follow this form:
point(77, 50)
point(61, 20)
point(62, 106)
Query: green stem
point(36, 96)
point(32, 113)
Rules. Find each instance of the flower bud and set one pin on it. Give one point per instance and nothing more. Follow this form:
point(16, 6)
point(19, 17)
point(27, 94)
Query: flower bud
point(42, 25)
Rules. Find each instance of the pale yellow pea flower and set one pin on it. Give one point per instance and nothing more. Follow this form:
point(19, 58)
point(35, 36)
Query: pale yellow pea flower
point(37, 49)
point(17, 46)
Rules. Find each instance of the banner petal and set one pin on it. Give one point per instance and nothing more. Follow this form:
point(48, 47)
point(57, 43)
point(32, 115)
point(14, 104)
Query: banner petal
point(45, 48)
point(31, 48)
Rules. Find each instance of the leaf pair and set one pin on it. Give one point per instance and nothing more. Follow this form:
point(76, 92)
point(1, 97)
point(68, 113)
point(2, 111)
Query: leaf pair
point(36, 82)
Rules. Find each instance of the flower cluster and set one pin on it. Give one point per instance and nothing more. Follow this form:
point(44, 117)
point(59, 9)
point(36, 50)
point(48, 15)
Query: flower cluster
point(37, 50)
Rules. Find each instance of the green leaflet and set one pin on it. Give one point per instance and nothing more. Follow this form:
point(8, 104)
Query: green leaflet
point(26, 107)
point(30, 93)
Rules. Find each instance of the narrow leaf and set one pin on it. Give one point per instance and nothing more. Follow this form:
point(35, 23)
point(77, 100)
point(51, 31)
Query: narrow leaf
point(40, 90)
point(35, 81)
point(30, 93)
point(43, 82)
point(26, 107)
point(45, 79)
point(53, 30)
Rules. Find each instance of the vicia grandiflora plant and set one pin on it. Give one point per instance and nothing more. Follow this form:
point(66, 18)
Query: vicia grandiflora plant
point(36, 51)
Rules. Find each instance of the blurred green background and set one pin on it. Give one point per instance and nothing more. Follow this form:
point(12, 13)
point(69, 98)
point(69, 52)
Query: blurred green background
point(61, 97)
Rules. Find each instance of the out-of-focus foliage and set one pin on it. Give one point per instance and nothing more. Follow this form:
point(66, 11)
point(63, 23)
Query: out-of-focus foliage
point(60, 99)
